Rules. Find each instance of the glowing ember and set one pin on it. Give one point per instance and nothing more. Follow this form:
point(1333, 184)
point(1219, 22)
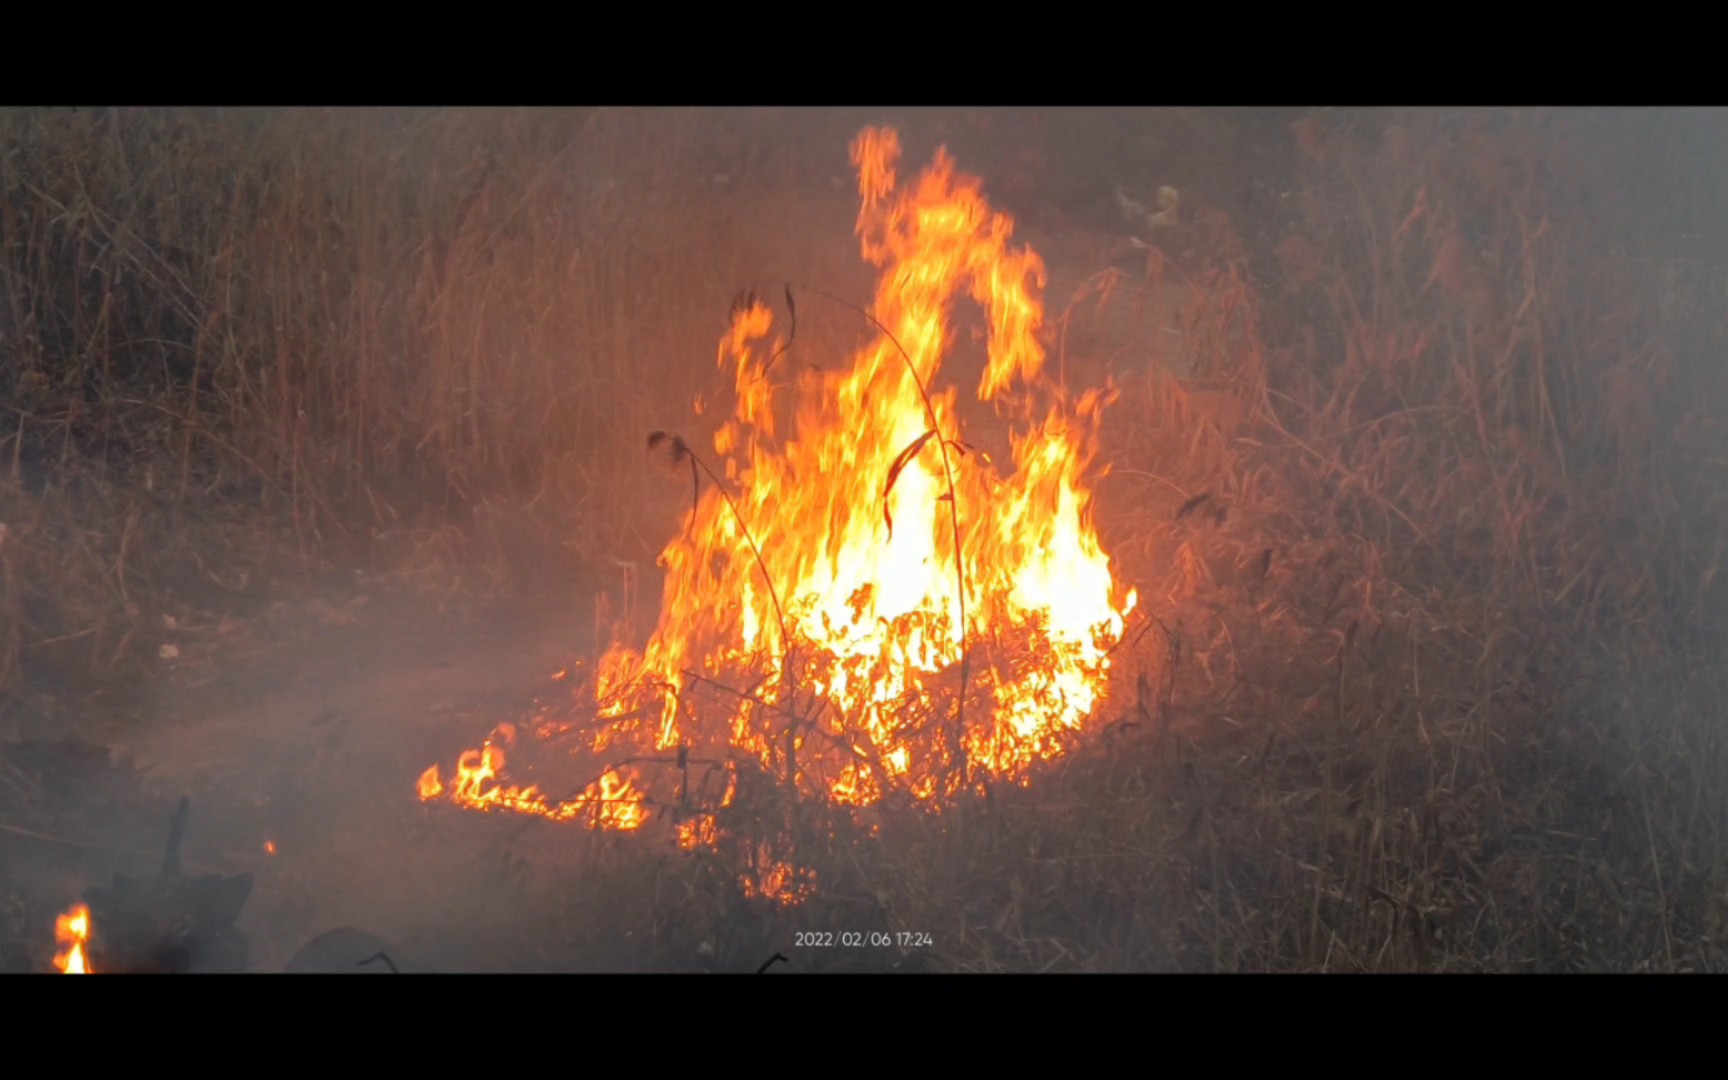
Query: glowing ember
point(772, 879)
point(72, 930)
point(269, 847)
point(698, 832)
point(813, 618)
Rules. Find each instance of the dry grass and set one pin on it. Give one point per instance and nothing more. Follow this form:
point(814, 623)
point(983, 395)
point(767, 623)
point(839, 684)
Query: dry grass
point(360, 326)
point(1431, 669)
point(1428, 537)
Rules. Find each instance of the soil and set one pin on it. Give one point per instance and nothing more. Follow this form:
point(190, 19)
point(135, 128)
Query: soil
point(311, 743)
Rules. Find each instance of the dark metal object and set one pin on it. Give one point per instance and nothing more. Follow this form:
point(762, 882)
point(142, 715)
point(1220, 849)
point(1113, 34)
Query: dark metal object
point(170, 924)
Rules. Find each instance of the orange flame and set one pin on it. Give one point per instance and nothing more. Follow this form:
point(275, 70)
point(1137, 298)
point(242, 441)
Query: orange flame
point(73, 931)
point(773, 879)
point(828, 573)
point(611, 802)
point(698, 832)
point(868, 583)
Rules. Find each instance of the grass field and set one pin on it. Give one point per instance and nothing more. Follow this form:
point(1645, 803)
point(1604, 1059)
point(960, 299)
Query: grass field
point(1428, 534)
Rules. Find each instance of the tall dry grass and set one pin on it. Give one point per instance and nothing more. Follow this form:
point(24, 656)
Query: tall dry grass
point(1429, 533)
point(1453, 633)
point(361, 325)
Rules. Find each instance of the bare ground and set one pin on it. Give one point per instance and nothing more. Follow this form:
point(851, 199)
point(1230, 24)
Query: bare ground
point(311, 742)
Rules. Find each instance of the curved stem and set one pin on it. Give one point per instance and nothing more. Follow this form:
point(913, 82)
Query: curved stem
point(761, 564)
point(681, 451)
point(953, 505)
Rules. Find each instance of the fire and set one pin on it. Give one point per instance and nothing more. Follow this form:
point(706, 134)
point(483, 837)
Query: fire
point(773, 879)
point(269, 847)
point(867, 604)
point(698, 832)
point(73, 931)
point(612, 801)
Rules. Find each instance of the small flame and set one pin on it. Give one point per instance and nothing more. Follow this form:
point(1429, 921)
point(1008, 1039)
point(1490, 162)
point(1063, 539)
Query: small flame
point(610, 802)
point(698, 832)
point(775, 879)
point(430, 785)
point(73, 931)
point(269, 847)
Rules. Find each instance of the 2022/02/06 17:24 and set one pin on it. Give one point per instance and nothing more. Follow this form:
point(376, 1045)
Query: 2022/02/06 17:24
point(858, 939)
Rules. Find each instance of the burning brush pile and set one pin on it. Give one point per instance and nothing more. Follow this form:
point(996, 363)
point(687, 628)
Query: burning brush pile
point(862, 607)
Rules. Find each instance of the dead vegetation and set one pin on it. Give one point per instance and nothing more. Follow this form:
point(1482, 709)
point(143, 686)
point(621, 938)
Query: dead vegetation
point(1437, 519)
point(1428, 532)
point(351, 329)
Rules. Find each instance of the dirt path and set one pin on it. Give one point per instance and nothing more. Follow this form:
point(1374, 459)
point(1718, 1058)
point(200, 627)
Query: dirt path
point(312, 743)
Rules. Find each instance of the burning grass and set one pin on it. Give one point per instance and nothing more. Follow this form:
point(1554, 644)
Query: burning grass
point(73, 930)
point(924, 659)
point(1426, 529)
point(1361, 726)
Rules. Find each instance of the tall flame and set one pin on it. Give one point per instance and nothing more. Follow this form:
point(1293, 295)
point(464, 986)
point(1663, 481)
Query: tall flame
point(818, 591)
point(72, 930)
point(866, 581)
